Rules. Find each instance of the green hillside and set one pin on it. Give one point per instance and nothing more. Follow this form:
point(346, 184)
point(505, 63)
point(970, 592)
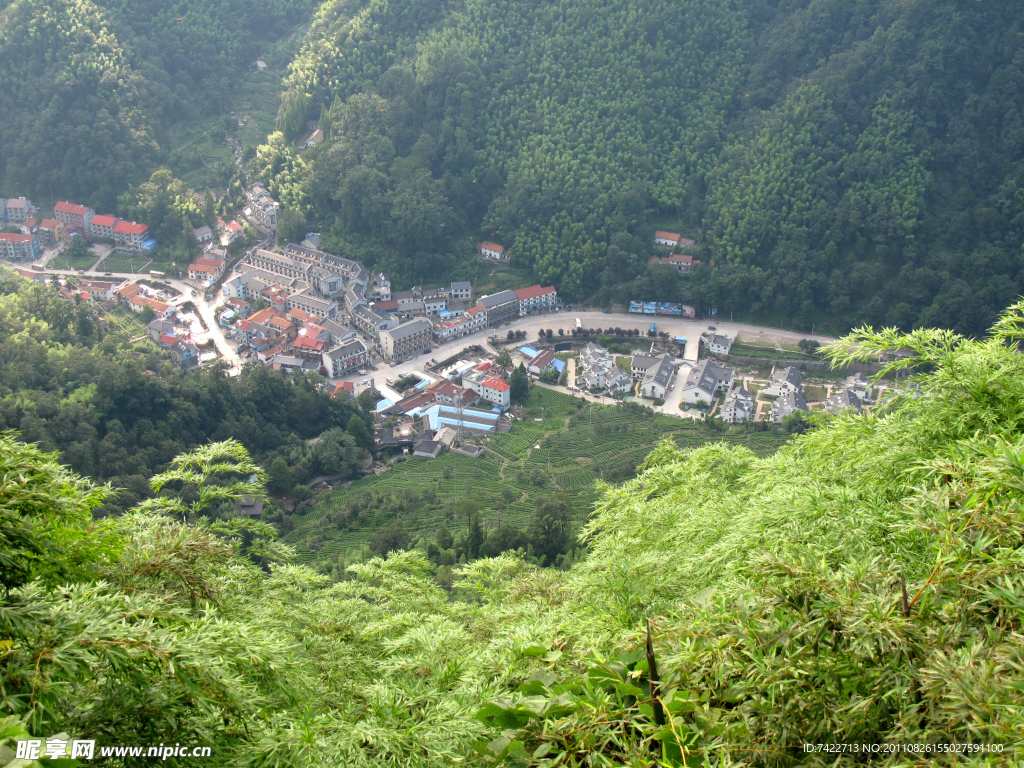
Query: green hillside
point(91, 88)
point(838, 162)
point(861, 585)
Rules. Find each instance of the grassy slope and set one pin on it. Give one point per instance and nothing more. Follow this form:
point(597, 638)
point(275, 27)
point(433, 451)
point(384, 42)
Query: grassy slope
point(572, 457)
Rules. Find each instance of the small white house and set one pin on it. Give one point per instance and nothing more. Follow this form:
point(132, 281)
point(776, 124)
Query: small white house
point(784, 381)
point(667, 238)
point(705, 381)
point(492, 251)
point(738, 407)
point(719, 344)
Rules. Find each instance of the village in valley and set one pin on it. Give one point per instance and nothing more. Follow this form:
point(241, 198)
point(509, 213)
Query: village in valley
point(446, 368)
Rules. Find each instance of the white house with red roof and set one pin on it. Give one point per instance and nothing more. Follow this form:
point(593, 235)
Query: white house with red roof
point(492, 251)
point(74, 217)
point(130, 235)
point(681, 262)
point(230, 232)
point(202, 272)
point(661, 237)
point(496, 391)
point(536, 299)
point(101, 290)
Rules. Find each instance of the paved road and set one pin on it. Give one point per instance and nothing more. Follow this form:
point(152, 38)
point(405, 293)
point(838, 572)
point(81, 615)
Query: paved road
point(566, 320)
point(226, 349)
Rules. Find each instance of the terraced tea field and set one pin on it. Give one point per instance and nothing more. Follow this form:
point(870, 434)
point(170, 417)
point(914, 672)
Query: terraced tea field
point(579, 444)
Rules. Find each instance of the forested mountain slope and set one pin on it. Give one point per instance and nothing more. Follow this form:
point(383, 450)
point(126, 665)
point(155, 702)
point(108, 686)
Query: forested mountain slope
point(840, 160)
point(89, 88)
point(862, 585)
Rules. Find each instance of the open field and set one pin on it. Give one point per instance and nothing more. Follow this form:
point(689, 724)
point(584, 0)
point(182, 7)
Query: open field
point(579, 444)
point(63, 261)
point(126, 262)
point(814, 393)
point(744, 350)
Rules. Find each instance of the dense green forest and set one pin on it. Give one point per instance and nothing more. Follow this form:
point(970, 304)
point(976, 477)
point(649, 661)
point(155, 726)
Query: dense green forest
point(837, 161)
point(861, 585)
point(91, 88)
point(118, 412)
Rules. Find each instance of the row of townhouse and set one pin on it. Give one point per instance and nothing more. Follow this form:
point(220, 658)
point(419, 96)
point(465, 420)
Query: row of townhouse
point(490, 311)
point(83, 220)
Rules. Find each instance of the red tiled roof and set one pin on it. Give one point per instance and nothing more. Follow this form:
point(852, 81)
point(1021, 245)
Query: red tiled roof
point(662, 235)
point(344, 386)
point(28, 273)
point(496, 383)
point(130, 228)
point(73, 208)
point(476, 310)
point(129, 290)
point(210, 262)
point(312, 330)
point(543, 359)
point(168, 338)
point(305, 342)
point(387, 306)
point(48, 224)
point(204, 268)
point(679, 258)
point(492, 246)
point(102, 220)
point(15, 238)
point(533, 292)
point(234, 226)
point(264, 314)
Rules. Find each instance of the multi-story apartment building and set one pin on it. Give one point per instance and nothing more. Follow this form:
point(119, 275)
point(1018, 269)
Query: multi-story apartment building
point(74, 217)
point(501, 307)
point(536, 299)
point(103, 226)
point(19, 209)
point(263, 207)
point(130, 236)
point(407, 339)
point(19, 247)
point(345, 358)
